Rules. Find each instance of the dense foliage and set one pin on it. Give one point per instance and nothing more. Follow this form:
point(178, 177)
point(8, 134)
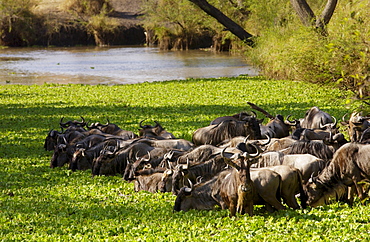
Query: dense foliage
point(284, 47)
point(38, 203)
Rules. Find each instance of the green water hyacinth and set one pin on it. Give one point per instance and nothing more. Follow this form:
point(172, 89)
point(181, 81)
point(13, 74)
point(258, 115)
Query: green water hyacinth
point(39, 203)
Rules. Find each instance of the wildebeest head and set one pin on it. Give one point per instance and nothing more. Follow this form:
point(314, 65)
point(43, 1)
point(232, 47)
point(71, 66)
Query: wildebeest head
point(132, 167)
point(165, 185)
point(156, 131)
point(60, 156)
point(320, 194)
point(178, 175)
point(277, 127)
point(113, 129)
point(356, 125)
point(103, 163)
point(73, 125)
point(51, 140)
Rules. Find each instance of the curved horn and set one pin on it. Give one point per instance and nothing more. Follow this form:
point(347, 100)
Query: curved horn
point(255, 154)
point(140, 124)
point(64, 125)
point(343, 117)
point(189, 189)
point(335, 121)
point(108, 121)
point(83, 122)
point(289, 122)
point(148, 159)
point(254, 114)
point(268, 140)
point(222, 153)
point(322, 125)
point(156, 124)
point(246, 139)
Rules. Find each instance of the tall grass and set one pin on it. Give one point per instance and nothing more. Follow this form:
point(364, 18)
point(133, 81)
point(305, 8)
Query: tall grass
point(38, 203)
point(292, 51)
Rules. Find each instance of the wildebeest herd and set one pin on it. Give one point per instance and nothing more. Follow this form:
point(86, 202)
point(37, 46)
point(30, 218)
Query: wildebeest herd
point(235, 162)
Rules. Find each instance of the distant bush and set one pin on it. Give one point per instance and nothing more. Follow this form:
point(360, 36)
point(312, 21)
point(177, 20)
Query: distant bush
point(94, 16)
point(87, 7)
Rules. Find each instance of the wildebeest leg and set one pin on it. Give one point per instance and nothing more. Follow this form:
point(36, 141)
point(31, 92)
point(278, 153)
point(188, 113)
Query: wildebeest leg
point(269, 208)
point(249, 208)
point(232, 209)
point(291, 201)
point(274, 202)
point(359, 189)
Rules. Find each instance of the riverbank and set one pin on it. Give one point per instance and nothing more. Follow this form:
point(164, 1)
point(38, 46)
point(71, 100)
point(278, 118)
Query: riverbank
point(52, 23)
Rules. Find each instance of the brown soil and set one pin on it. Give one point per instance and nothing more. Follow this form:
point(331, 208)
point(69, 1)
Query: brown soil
point(126, 12)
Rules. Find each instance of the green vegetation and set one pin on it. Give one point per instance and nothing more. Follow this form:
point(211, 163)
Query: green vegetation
point(38, 203)
point(18, 24)
point(93, 15)
point(285, 49)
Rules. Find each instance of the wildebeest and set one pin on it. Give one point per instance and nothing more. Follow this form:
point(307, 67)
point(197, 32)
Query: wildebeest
point(197, 197)
point(151, 161)
point(51, 140)
point(242, 116)
point(208, 194)
point(349, 166)
point(315, 119)
point(113, 129)
point(156, 131)
point(237, 190)
point(73, 125)
point(175, 144)
point(150, 183)
point(356, 125)
point(228, 129)
point(111, 163)
point(292, 184)
point(82, 158)
point(268, 186)
point(277, 127)
point(206, 170)
point(306, 163)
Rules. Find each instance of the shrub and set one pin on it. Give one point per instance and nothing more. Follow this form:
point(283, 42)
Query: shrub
point(94, 16)
point(18, 25)
point(298, 53)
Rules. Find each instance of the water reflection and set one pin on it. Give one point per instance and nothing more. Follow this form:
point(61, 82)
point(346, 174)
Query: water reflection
point(115, 65)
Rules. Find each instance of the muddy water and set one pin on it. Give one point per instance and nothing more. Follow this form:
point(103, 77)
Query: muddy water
point(117, 65)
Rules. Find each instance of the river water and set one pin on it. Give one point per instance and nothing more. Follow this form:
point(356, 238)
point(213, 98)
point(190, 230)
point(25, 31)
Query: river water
point(114, 65)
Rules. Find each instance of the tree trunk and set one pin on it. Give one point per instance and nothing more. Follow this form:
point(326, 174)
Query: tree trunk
point(326, 15)
point(233, 27)
point(308, 17)
point(304, 12)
